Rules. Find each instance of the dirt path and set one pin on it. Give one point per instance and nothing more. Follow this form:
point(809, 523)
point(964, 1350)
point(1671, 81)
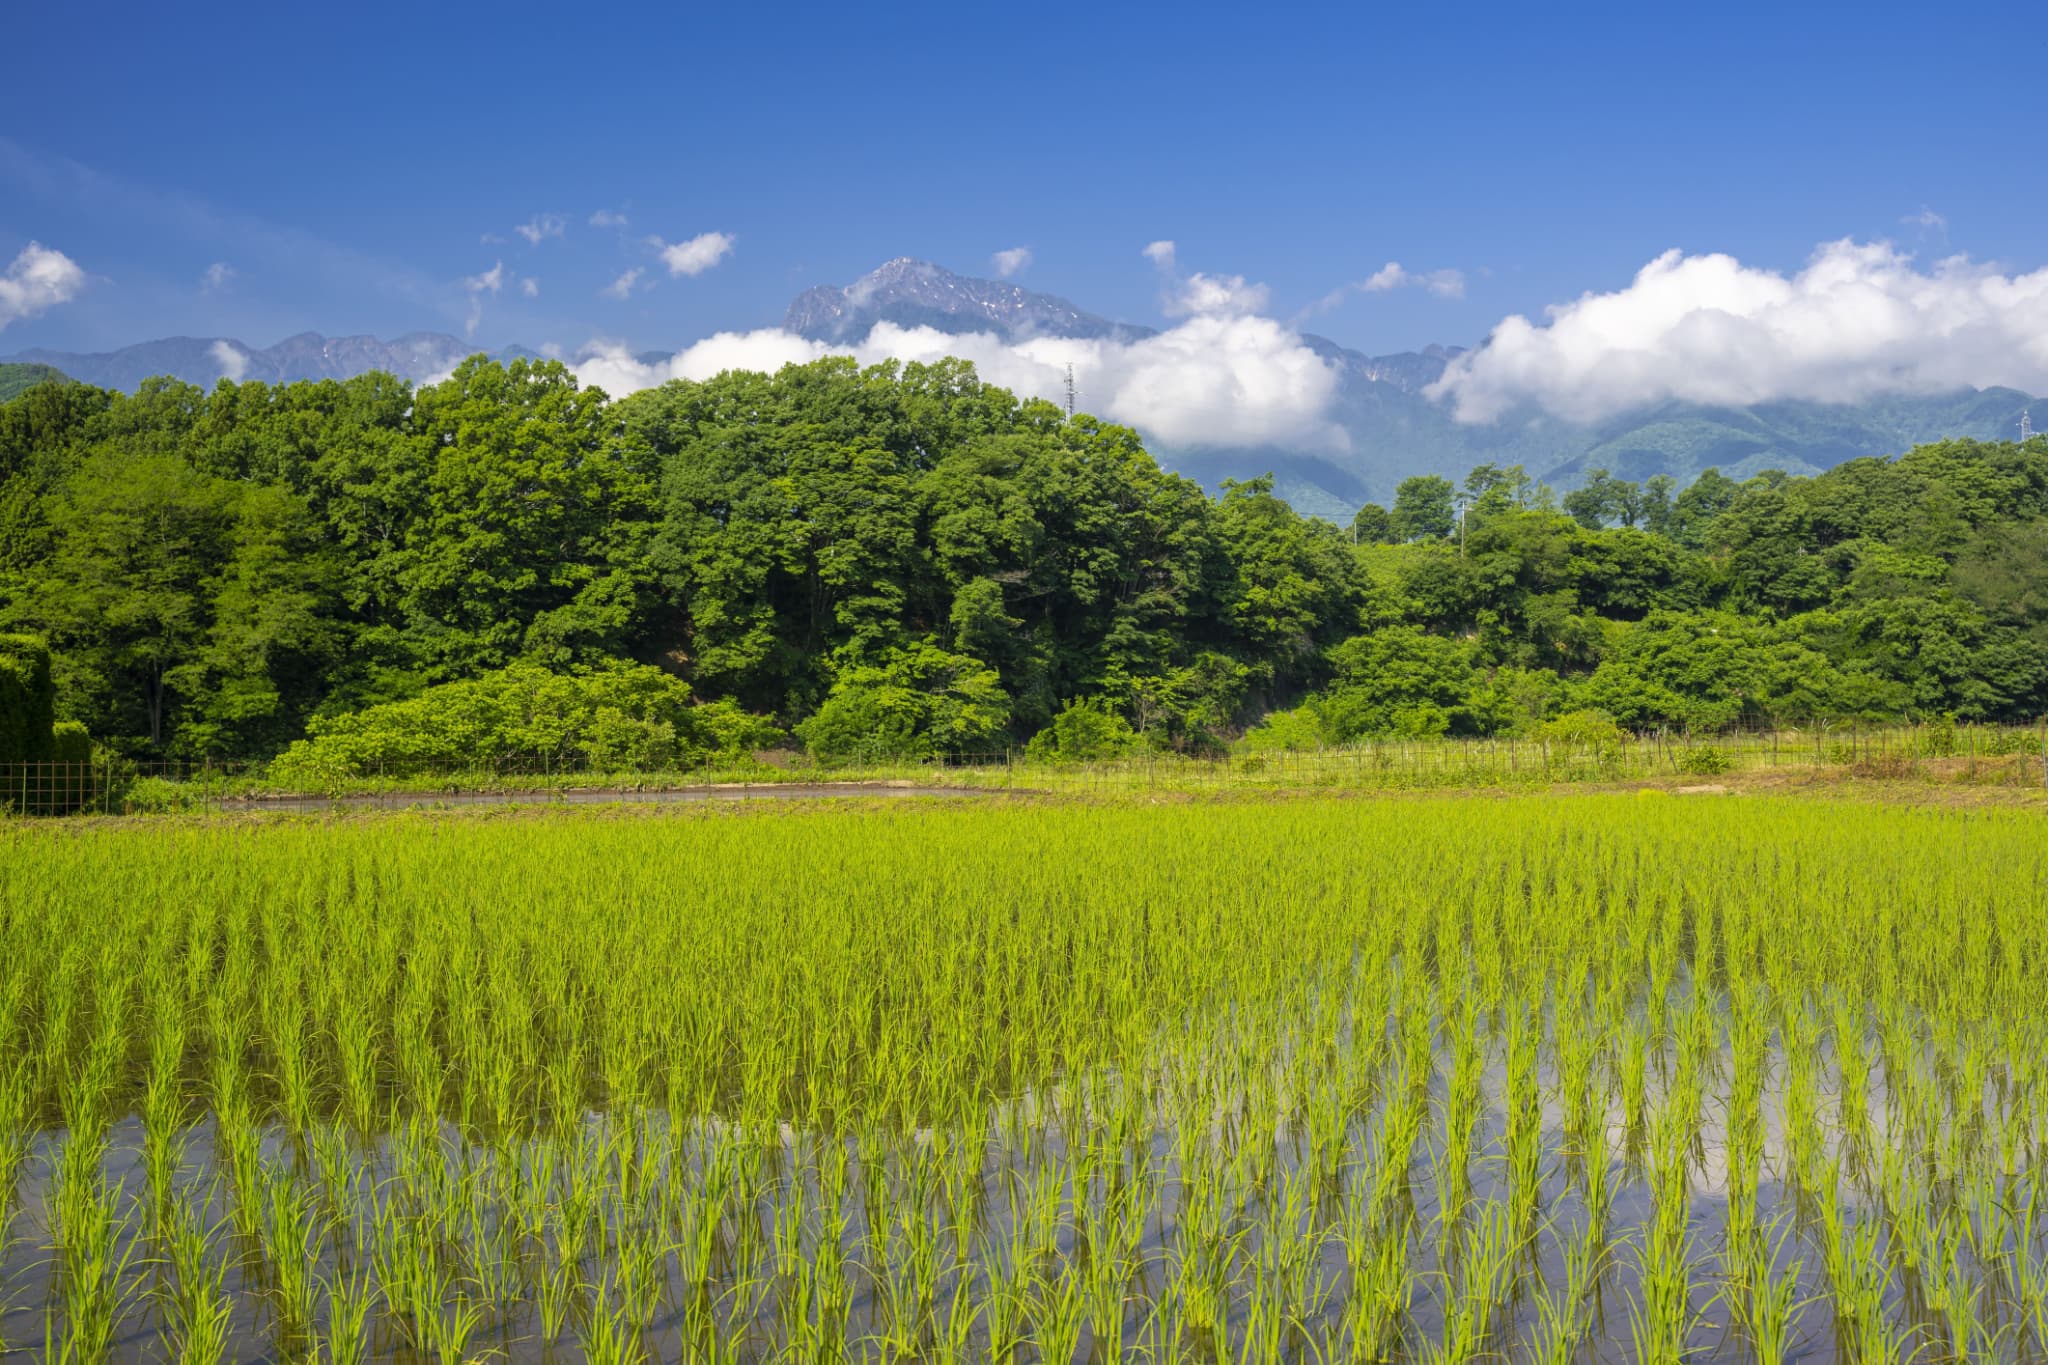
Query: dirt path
point(578, 796)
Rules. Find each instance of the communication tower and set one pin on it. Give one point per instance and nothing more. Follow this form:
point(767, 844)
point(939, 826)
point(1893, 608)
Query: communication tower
point(1070, 393)
point(2026, 416)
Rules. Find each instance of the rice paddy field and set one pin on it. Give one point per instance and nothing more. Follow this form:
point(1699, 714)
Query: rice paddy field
point(1436, 1079)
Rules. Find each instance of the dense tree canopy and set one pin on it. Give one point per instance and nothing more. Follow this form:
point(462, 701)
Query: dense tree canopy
point(904, 559)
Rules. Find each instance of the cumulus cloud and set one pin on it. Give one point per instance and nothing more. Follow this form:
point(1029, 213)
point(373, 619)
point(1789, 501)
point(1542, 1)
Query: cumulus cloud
point(1200, 295)
point(530, 287)
point(1859, 319)
point(1011, 262)
point(490, 282)
point(233, 361)
point(542, 227)
point(1445, 284)
point(696, 255)
point(216, 276)
point(622, 287)
point(1213, 380)
point(605, 218)
point(39, 279)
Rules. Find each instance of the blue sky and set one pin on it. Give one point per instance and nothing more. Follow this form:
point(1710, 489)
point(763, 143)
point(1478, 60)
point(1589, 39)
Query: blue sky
point(350, 169)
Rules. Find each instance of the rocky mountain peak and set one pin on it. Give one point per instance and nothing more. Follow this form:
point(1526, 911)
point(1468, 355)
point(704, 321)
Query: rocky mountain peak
point(913, 293)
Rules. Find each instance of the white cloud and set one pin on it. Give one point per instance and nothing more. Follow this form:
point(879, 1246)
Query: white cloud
point(622, 286)
point(490, 282)
point(1011, 262)
point(1445, 284)
point(530, 287)
point(695, 256)
point(1202, 295)
point(216, 276)
point(541, 227)
point(233, 361)
point(1859, 319)
point(1927, 220)
point(39, 279)
point(605, 218)
point(1213, 380)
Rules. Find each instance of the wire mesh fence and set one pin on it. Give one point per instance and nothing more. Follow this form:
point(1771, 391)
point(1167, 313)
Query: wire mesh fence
point(2001, 754)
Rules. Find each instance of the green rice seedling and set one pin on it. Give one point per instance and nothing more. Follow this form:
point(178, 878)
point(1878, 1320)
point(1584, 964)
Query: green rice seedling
point(640, 1267)
point(99, 1287)
point(1059, 1317)
point(1635, 1077)
point(1381, 1294)
point(608, 1339)
point(1561, 1315)
point(349, 1298)
point(194, 1280)
point(17, 1091)
point(1662, 1316)
point(910, 1052)
point(556, 1292)
point(448, 1331)
point(291, 1249)
point(199, 1310)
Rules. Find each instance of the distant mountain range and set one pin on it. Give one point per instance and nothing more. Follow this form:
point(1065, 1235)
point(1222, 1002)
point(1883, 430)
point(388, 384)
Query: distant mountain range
point(207, 360)
point(1394, 430)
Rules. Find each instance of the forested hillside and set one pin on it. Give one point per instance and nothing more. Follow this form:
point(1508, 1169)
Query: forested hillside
point(909, 554)
point(19, 379)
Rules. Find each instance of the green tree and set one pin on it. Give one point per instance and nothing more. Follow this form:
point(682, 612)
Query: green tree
point(916, 703)
point(28, 700)
point(1424, 508)
point(124, 599)
point(1400, 681)
point(1373, 525)
point(528, 490)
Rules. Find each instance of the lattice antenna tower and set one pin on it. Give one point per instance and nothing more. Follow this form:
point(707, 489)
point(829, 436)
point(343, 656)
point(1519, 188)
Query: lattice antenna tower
point(2026, 420)
point(1070, 393)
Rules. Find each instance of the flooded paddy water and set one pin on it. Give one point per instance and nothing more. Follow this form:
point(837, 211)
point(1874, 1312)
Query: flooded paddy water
point(1424, 1082)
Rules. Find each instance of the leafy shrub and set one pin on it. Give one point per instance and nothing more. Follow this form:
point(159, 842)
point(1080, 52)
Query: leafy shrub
point(615, 717)
point(28, 699)
point(919, 703)
point(69, 743)
point(1581, 732)
point(2000, 742)
point(1702, 760)
point(1087, 731)
point(1286, 732)
point(158, 794)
